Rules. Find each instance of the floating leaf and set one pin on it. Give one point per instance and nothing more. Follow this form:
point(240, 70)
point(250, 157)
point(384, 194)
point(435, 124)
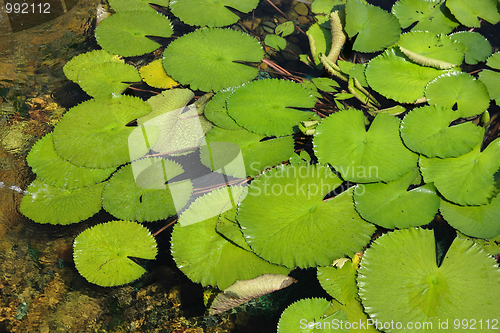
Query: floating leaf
point(418, 291)
point(55, 171)
point(128, 5)
point(95, 134)
point(360, 156)
point(84, 60)
point(203, 254)
point(494, 60)
point(392, 205)
point(433, 50)
point(267, 106)
point(426, 130)
point(491, 246)
point(477, 48)
point(124, 33)
point(140, 191)
point(257, 155)
point(460, 91)
point(166, 101)
point(475, 221)
point(154, 75)
point(216, 110)
point(285, 29)
point(212, 13)
point(465, 180)
point(103, 253)
point(468, 12)
point(325, 6)
point(491, 80)
point(285, 220)
point(375, 28)
point(205, 58)
point(243, 291)
point(339, 282)
point(275, 42)
point(49, 204)
point(393, 76)
point(431, 15)
point(320, 40)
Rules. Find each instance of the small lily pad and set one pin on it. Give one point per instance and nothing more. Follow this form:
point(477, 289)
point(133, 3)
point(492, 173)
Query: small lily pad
point(154, 75)
point(216, 110)
point(431, 15)
point(477, 48)
point(458, 91)
point(84, 60)
point(275, 42)
point(339, 282)
point(103, 253)
point(468, 12)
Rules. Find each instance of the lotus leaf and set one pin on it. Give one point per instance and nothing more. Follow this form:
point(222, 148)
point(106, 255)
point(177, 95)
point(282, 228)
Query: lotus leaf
point(84, 60)
point(103, 253)
point(285, 220)
point(128, 5)
point(477, 48)
point(360, 156)
point(155, 76)
point(459, 91)
point(216, 110)
point(467, 12)
point(465, 180)
point(124, 33)
point(212, 13)
point(205, 59)
point(426, 130)
point(267, 106)
point(420, 291)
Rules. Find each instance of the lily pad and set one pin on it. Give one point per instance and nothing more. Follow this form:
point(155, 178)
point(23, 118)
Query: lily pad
point(103, 253)
point(491, 80)
point(285, 220)
point(431, 15)
point(359, 155)
point(477, 48)
point(467, 12)
point(418, 291)
point(320, 41)
point(429, 49)
point(458, 91)
point(205, 59)
point(49, 204)
point(465, 180)
point(375, 28)
point(128, 5)
point(275, 42)
point(154, 75)
point(211, 13)
point(392, 206)
point(392, 75)
point(124, 33)
point(141, 192)
point(216, 110)
point(267, 106)
point(95, 134)
point(339, 281)
point(426, 130)
point(55, 171)
point(474, 221)
point(494, 60)
point(166, 101)
point(207, 257)
point(88, 59)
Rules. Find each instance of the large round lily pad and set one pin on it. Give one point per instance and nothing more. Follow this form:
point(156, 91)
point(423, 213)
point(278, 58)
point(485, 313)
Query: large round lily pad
point(103, 253)
point(285, 220)
point(267, 106)
point(476, 47)
point(399, 281)
point(205, 59)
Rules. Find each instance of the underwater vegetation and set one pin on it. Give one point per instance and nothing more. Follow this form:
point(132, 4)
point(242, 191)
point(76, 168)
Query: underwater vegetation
point(355, 193)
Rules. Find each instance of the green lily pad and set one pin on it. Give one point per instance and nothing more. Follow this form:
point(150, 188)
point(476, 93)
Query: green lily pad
point(140, 191)
point(325, 6)
point(128, 5)
point(431, 15)
point(124, 33)
point(375, 28)
point(216, 110)
point(311, 315)
point(433, 50)
point(107, 79)
point(267, 106)
point(361, 156)
point(205, 59)
point(95, 134)
point(55, 171)
point(467, 12)
point(393, 76)
point(204, 255)
point(166, 101)
point(275, 42)
point(284, 29)
point(102, 254)
point(392, 206)
point(73, 67)
point(285, 220)
point(426, 130)
point(339, 282)
point(491, 80)
point(257, 155)
point(211, 13)
point(49, 204)
point(320, 41)
point(418, 291)
point(494, 60)
point(465, 180)
point(491, 246)
point(460, 91)
point(477, 48)
point(475, 221)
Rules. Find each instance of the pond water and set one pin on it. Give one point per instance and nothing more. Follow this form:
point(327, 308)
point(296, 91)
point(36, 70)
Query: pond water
point(40, 289)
